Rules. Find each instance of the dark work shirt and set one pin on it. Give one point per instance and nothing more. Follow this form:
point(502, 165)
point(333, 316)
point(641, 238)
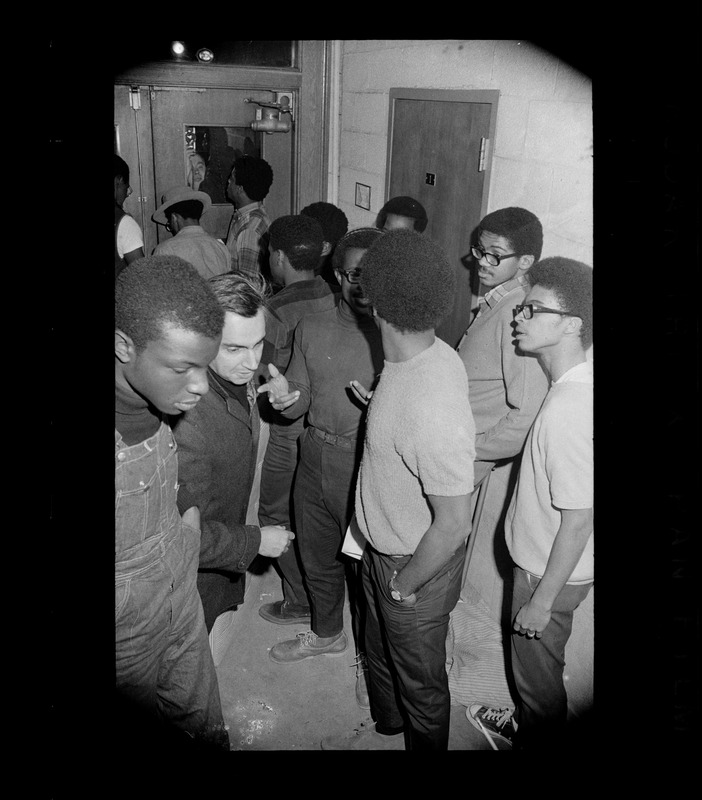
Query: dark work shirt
point(331, 349)
point(285, 310)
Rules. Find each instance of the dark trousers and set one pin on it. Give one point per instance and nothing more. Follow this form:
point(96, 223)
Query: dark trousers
point(406, 650)
point(324, 501)
point(275, 503)
point(537, 666)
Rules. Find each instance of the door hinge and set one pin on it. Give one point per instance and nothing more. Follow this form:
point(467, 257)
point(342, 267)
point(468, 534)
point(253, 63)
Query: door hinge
point(135, 97)
point(484, 143)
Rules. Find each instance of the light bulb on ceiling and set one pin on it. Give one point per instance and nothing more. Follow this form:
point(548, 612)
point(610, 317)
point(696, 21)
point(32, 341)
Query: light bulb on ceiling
point(205, 55)
point(177, 48)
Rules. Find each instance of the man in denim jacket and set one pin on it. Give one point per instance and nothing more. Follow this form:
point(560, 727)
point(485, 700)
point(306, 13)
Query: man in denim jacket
point(168, 326)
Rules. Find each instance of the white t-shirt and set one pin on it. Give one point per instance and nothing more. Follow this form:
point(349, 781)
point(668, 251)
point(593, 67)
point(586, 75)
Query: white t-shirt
point(557, 472)
point(129, 236)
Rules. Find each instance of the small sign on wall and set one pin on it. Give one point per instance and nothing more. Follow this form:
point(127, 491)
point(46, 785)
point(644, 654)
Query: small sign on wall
point(363, 196)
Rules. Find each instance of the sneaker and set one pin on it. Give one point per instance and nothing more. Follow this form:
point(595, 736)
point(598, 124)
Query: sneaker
point(282, 613)
point(362, 697)
point(497, 722)
point(306, 645)
point(365, 737)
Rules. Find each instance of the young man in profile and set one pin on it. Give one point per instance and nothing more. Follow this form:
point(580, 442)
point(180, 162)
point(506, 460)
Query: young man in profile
point(247, 240)
point(549, 523)
point(168, 326)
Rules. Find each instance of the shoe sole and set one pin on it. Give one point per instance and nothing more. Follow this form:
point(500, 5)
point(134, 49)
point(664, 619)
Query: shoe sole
point(304, 658)
point(288, 621)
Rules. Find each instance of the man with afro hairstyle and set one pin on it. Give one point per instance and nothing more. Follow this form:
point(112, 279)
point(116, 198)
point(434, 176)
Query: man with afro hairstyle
point(402, 212)
point(247, 240)
point(549, 522)
point(168, 326)
point(334, 225)
point(506, 386)
point(413, 497)
point(296, 243)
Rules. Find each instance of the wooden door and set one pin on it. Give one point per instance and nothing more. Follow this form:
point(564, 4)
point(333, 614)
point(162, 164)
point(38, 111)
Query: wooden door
point(220, 120)
point(439, 153)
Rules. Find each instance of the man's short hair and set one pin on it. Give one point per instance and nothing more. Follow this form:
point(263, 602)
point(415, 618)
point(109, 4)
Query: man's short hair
point(332, 219)
point(571, 282)
point(121, 168)
point(254, 175)
point(188, 209)
point(164, 290)
point(404, 206)
point(301, 238)
point(520, 227)
point(408, 280)
point(241, 294)
point(362, 238)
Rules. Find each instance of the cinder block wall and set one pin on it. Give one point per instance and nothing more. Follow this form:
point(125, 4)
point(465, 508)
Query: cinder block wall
point(542, 160)
point(542, 157)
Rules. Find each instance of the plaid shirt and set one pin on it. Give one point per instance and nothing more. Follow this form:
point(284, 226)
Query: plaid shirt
point(247, 239)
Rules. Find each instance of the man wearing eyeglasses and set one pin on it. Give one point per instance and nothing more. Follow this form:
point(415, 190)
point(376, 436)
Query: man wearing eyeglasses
point(549, 523)
point(331, 349)
point(506, 386)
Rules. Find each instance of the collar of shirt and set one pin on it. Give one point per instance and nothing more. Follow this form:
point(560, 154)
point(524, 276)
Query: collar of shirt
point(580, 373)
point(245, 210)
point(189, 230)
point(497, 293)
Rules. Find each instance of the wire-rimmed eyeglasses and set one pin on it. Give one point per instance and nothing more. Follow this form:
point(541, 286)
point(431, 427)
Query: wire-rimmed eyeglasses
point(529, 309)
point(493, 259)
point(351, 275)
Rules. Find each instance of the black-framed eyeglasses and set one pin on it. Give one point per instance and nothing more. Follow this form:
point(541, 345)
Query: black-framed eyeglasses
point(493, 259)
point(529, 309)
point(351, 275)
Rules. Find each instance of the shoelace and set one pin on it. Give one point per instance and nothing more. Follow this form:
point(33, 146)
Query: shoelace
point(500, 716)
point(360, 664)
point(308, 639)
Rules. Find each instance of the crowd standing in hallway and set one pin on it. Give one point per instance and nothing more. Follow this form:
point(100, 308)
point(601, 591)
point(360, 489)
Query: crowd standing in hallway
point(325, 339)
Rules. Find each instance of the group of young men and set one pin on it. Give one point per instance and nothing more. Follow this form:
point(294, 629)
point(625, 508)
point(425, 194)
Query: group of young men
point(395, 430)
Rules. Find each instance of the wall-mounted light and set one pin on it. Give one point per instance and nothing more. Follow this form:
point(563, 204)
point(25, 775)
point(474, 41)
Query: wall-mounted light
point(205, 55)
point(178, 49)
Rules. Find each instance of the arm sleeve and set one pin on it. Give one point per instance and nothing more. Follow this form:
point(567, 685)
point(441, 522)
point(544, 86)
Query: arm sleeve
point(248, 249)
point(129, 236)
point(569, 453)
point(298, 376)
point(525, 388)
point(229, 548)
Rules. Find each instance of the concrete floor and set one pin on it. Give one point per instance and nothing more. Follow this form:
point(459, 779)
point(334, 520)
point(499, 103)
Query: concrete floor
point(270, 706)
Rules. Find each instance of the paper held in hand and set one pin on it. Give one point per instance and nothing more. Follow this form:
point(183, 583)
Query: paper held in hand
point(354, 541)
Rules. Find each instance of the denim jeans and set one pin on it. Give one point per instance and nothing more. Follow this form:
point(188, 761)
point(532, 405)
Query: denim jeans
point(163, 658)
point(406, 650)
point(324, 499)
point(275, 503)
point(537, 665)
